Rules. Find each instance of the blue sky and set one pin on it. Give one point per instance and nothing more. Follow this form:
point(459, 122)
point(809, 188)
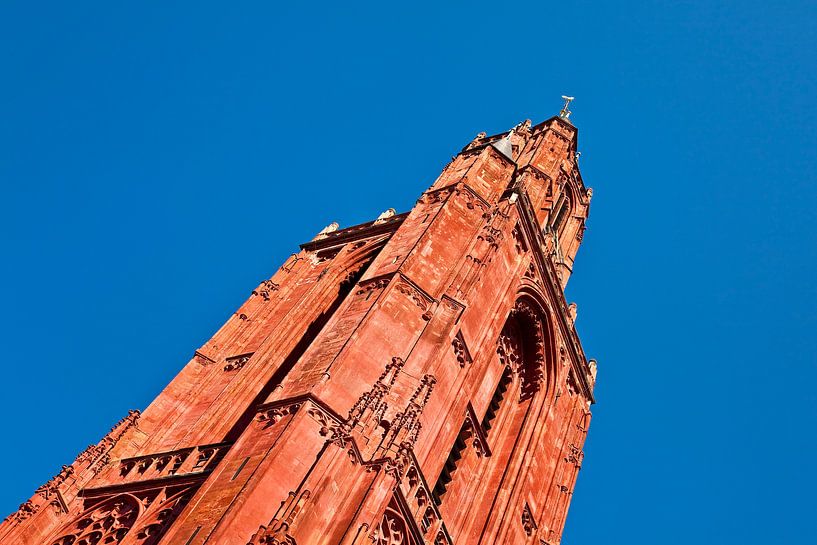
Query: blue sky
point(158, 160)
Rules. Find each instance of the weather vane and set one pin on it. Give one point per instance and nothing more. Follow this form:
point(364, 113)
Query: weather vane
point(565, 113)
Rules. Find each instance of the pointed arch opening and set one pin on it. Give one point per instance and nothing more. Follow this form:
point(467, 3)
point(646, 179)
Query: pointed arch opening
point(562, 210)
point(472, 476)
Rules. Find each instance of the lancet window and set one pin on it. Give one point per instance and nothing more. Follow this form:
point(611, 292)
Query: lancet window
point(470, 475)
point(562, 212)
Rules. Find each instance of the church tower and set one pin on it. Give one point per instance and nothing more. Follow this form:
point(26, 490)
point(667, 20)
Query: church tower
point(413, 380)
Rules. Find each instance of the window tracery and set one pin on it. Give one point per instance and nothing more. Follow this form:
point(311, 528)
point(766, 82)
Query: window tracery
point(393, 528)
point(109, 521)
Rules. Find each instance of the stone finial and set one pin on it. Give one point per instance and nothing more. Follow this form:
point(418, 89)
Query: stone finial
point(331, 228)
point(384, 216)
point(565, 113)
point(475, 142)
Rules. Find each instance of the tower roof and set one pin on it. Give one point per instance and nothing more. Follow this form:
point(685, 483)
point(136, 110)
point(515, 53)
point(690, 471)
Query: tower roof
point(504, 146)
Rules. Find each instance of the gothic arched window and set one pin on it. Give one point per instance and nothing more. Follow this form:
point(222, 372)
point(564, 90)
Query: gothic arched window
point(562, 213)
point(470, 478)
point(107, 523)
point(141, 519)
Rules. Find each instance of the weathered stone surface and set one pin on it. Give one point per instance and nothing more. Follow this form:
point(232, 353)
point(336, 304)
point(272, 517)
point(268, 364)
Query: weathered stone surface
point(413, 380)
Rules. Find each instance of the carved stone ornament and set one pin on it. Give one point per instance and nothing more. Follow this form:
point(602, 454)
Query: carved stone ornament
point(393, 528)
point(472, 199)
point(574, 456)
point(235, 363)
point(461, 350)
point(265, 289)
point(26, 510)
point(438, 196)
point(272, 416)
point(325, 420)
point(373, 284)
point(145, 516)
point(108, 522)
point(528, 524)
point(492, 235)
point(277, 531)
point(331, 228)
point(384, 216)
point(413, 294)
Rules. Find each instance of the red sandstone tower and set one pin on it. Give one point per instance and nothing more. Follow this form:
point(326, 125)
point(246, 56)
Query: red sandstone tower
point(413, 380)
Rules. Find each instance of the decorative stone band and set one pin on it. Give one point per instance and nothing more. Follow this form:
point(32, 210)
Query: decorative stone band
point(461, 351)
point(332, 426)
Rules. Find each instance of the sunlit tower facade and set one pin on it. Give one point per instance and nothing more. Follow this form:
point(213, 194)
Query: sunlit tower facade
point(417, 379)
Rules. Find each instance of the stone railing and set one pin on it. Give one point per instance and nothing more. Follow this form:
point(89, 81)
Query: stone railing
point(167, 464)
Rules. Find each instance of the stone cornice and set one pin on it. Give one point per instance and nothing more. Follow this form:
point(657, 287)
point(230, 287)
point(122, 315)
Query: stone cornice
point(356, 232)
point(147, 484)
